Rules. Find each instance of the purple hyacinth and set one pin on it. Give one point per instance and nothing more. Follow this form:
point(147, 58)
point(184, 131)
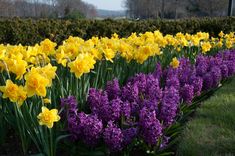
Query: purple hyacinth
point(201, 65)
point(70, 112)
point(128, 135)
point(169, 105)
point(165, 142)
point(185, 74)
point(142, 89)
point(135, 108)
point(173, 81)
point(150, 127)
point(114, 110)
point(126, 109)
point(73, 127)
point(141, 81)
point(96, 99)
point(215, 61)
point(70, 102)
point(207, 81)
point(158, 71)
point(113, 137)
point(197, 82)
point(185, 71)
point(216, 75)
point(130, 92)
point(187, 93)
point(231, 67)
point(170, 72)
point(90, 128)
point(224, 71)
point(113, 89)
point(150, 104)
point(105, 109)
point(153, 90)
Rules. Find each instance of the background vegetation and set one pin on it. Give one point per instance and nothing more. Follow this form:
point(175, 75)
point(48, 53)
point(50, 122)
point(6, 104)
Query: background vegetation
point(29, 31)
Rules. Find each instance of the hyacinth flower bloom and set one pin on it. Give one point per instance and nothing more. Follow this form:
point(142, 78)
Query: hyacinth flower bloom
point(143, 108)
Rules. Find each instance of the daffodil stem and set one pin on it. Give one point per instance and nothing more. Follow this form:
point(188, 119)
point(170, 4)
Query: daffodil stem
point(20, 130)
point(52, 150)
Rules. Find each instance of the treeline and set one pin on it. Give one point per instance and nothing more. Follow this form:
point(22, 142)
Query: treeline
point(30, 32)
point(70, 9)
point(176, 8)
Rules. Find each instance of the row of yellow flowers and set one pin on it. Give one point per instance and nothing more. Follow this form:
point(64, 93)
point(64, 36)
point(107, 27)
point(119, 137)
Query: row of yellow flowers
point(80, 56)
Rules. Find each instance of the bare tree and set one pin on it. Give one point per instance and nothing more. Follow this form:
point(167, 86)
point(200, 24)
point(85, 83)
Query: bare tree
point(45, 8)
point(208, 7)
point(175, 8)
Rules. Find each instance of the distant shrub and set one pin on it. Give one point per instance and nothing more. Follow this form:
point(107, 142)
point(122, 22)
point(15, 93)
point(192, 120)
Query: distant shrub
point(31, 31)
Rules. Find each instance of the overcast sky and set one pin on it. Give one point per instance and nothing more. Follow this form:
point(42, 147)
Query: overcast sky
point(107, 4)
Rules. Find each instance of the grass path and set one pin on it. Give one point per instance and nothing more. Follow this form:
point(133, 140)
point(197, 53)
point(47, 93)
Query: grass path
point(212, 130)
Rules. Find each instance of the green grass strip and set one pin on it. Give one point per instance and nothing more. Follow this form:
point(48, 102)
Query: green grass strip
point(212, 129)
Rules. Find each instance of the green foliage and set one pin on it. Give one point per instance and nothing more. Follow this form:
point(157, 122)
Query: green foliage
point(30, 31)
point(75, 15)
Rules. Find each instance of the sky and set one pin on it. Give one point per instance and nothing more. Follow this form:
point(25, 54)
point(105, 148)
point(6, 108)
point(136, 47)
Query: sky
point(107, 4)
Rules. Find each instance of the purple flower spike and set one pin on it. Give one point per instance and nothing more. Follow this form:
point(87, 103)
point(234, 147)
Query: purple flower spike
point(69, 102)
point(187, 92)
point(129, 134)
point(197, 84)
point(113, 89)
point(113, 137)
point(90, 129)
point(150, 127)
point(169, 105)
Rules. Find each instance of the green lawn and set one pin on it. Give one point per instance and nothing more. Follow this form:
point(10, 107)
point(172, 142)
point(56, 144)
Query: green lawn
point(212, 130)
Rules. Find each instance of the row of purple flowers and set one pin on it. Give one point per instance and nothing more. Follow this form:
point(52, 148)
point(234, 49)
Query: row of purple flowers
point(148, 104)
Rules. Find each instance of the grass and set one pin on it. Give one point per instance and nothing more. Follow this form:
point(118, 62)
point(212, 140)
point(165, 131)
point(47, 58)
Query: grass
point(212, 129)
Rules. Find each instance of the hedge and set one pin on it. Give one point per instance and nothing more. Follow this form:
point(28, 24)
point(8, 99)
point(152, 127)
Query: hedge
point(31, 31)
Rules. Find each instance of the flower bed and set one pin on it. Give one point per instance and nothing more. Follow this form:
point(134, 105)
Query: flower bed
point(131, 113)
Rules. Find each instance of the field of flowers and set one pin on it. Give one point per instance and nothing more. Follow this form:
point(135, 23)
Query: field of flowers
point(109, 96)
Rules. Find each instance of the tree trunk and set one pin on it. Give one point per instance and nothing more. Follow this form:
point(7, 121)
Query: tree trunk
point(163, 9)
point(230, 7)
point(176, 5)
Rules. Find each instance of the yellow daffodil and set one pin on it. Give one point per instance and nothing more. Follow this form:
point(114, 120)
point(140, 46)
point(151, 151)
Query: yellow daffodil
point(206, 46)
point(61, 58)
point(36, 83)
point(221, 34)
point(175, 63)
point(109, 54)
point(48, 46)
point(14, 92)
point(83, 64)
point(48, 117)
point(220, 44)
point(17, 66)
point(48, 72)
point(229, 44)
point(195, 40)
point(22, 95)
point(46, 101)
point(10, 91)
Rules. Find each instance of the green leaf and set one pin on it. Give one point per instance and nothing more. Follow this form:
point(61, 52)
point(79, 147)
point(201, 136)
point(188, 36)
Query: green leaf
point(61, 137)
point(39, 154)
